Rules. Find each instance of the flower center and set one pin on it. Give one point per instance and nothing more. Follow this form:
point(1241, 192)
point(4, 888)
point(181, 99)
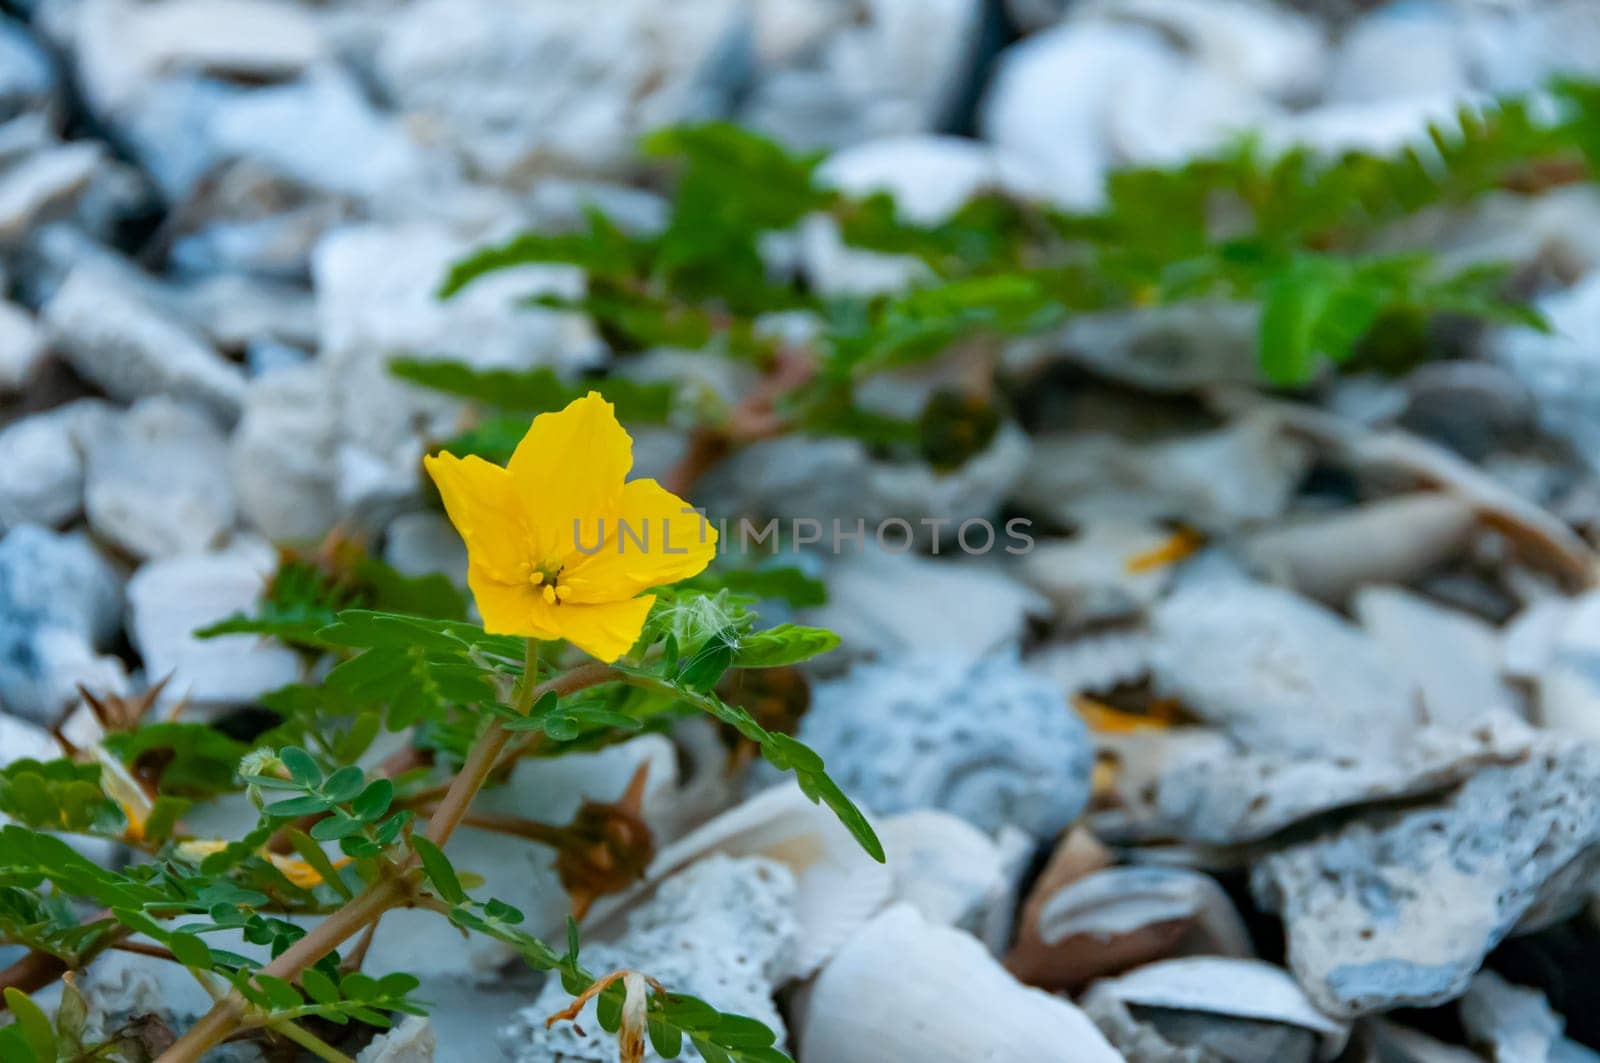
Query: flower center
point(548, 578)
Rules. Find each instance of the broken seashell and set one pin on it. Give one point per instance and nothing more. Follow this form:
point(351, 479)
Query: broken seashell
point(837, 886)
point(1278, 672)
point(1235, 1008)
point(1393, 540)
point(955, 874)
point(1543, 537)
point(883, 604)
point(1094, 662)
point(1452, 658)
point(907, 989)
point(1121, 917)
point(1094, 576)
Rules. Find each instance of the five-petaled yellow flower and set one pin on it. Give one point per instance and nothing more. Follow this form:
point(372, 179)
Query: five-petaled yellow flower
point(558, 545)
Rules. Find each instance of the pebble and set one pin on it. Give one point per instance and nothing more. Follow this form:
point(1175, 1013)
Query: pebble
point(169, 599)
point(278, 456)
point(156, 481)
point(42, 463)
point(132, 348)
point(23, 348)
point(59, 603)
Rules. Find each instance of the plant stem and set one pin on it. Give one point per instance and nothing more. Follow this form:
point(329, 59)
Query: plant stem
point(392, 890)
point(308, 1041)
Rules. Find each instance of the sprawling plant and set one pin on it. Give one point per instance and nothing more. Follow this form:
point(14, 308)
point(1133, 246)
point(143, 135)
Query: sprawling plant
point(1309, 238)
point(599, 622)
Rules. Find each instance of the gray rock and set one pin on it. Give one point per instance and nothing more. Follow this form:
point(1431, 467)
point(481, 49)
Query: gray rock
point(722, 930)
point(41, 463)
point(464, 73)
point(418, 544)
point(116, 337)
point(1220, 480)
point(279, 455)
point(835, 482)
point(1279, 673)
point(1558, 368)
point(22, 347)
point(157, 481)
point(930, 177)
point(1400, 907)
point(59, 601)
point(43, 184)
point(842, 72)
point(27, 77)
point(1516, 1023)
point(985, 740)
point(169, 599)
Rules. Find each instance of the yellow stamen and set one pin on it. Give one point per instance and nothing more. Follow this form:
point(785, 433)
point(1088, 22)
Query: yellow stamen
point(549, 595)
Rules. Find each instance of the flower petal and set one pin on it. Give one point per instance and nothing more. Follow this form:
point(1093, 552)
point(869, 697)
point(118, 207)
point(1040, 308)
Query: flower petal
point(506, 608)
point(570, 466)
point(604, 631)
point(652, 538)
point(482, 504)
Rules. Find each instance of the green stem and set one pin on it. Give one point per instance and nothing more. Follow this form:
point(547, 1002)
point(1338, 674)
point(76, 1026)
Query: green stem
point(308, 1041)
point(396, 889)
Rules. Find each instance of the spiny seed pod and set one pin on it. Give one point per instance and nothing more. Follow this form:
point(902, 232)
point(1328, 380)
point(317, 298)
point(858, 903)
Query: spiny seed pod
point(605, 849)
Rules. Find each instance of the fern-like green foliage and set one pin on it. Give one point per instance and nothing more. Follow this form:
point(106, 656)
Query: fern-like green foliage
point(1296, 232)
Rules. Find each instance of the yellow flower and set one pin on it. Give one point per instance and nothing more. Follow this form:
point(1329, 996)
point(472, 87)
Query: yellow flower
point(558, 545)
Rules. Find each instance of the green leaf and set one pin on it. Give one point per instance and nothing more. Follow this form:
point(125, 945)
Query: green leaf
point(439, 871)
point(303, 768)
point(313, 854)
point(783, 645)
point(373, 801)
point(318, 986)
point(190, 950)
point(32, 1023)
point(535, 391)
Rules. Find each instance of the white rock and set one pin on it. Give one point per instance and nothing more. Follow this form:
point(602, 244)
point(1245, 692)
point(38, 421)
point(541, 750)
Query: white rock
point(954, 874)
point(722, 930)
point(1568, 680)
point(1047, 101)
point(170, 598)
point(283, 476)
point(22, 347)
point(1414, 51)
point(840, 72)
point(27, 77)
point(887, 604)
point(1242, 474)
point(156, 481)
point(122, 47)
point(890, 995)
point(1452, 658)
point(42, 183)
point(59, 601)
point(377, 298)
point(41, 463)
point(1089, 578)
point(1268, 49)
point(834, 483)
point(538, 84)
point(115, 337)
point(418, 544)
point(1558, 368)
point(930, 178)
point(1516, 1022)
point(412, 1041)
point(1278, 672)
